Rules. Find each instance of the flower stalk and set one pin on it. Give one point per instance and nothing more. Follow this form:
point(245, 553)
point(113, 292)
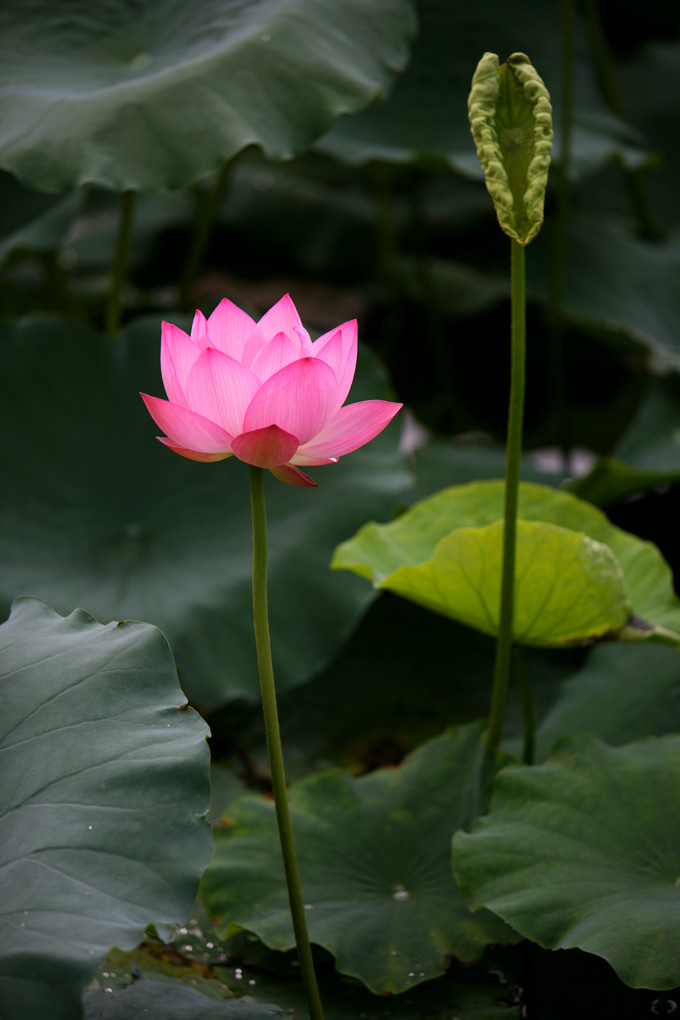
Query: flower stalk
point(511, 123)
point(273, 734)
point(499, 692)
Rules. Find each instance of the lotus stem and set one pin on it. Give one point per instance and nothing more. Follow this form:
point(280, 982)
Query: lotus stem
point(271, 722)
point(112, 312)
point(499, 694)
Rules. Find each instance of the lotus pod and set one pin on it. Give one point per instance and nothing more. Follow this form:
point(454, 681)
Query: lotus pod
point(511, 123)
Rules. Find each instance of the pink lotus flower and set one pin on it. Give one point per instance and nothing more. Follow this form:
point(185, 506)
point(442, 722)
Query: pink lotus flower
point(263, 392)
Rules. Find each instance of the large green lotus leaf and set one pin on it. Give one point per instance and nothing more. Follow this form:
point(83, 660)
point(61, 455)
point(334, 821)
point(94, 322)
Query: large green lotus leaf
point(105, 791)
point(568, 587)
point(426, 115)
point(621, 694)
point(155, 97)
point(96, 512)
point(155, 1000)
point(379, 551)
point(584, 851)
point(374, 864)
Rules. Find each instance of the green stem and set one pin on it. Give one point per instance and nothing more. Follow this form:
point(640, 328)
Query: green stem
point(527, 702)
point(212, 200)
point(271, 722)
point(501, 677)
point(120, 263)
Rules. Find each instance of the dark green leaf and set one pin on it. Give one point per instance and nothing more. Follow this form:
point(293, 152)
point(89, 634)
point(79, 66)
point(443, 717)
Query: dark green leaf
point(374, 864)
point(155, 97)
point(105, 791)
point(621, 694)
point(584, 851)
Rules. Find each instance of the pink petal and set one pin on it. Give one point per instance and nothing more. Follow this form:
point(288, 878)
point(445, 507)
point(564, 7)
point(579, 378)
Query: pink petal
point(341, 355)
point(276, 354)
point(199, 330)
point(267, 447)
point(192, 454)
point(281, 318)
point(220, 388)
point(305, 341)
point(186, 429)
point(303, 461)
point(229, 327)
point(292, 476)
point(351, 427)
point(300, 399)
point(178, 354)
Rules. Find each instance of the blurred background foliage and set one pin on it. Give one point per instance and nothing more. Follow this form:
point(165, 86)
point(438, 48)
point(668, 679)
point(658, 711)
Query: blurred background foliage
point(358, 192)
point(383, 217)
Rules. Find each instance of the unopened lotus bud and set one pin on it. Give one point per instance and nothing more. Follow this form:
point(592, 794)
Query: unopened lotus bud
point(511, 123)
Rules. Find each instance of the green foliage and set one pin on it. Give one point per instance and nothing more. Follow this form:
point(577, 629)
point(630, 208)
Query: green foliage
point(445, 553)
point(621, 694)
point(576, 853)
point(386, 220)
point(188, 93)
point(105, 792)
point(374, 864)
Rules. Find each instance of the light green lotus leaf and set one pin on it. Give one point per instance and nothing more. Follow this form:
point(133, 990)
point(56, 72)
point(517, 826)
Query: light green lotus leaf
point(387, 554)
point(569, 588)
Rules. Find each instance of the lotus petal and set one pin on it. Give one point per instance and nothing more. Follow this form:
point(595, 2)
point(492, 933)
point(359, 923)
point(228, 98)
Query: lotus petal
point(342, 357)
point(275, 355)
point(266, 448)
point(178, 355)
point(281, 318)
point(351, 427)
point(293, 476)
point(204, 458)
point(186, 429)
point(229, 327)
point(199, 330)
point(300, 399)
point(220, 388)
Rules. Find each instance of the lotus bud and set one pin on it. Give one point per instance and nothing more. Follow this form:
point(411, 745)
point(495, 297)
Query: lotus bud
point(511, 123)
